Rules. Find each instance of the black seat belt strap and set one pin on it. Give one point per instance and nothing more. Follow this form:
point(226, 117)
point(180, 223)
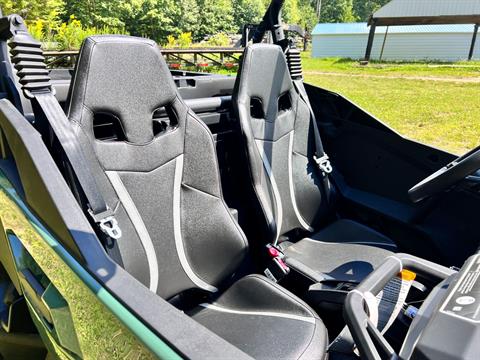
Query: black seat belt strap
point(27, 57)
point(321, 157)
point(98, 208)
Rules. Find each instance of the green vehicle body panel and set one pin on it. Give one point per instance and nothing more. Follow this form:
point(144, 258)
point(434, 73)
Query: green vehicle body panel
point(85, 320)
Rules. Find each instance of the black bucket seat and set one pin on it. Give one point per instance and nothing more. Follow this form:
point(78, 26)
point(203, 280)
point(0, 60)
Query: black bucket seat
point(276, 128)
point(162, 180)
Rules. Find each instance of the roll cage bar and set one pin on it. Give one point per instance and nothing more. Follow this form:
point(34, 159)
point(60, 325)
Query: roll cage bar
point(272, 21)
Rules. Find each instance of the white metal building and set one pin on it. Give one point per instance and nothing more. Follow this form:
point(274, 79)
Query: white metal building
point(410, 42)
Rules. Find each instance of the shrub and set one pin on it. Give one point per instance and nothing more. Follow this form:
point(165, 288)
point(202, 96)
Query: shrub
point(70, 35)
point(171, 41)
point(185, 40)
point(36, 30)
point(220, 39)
point(67, 36)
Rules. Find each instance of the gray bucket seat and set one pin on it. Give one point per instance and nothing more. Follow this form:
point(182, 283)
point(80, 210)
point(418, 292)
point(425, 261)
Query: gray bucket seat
point(289, 189)
point(164, 186)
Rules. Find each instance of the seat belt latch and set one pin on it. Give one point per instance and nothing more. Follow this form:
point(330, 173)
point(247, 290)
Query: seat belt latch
point(107, 222)
point(277, 269)
point(109, 226)
point(324, 164)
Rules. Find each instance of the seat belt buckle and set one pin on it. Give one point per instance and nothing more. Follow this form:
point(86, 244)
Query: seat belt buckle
point(324, 164)
point(107, 222)
point(274, 251)
point(277, 268)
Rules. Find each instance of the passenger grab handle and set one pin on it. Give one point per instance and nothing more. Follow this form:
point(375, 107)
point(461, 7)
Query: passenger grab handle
point(370, 342)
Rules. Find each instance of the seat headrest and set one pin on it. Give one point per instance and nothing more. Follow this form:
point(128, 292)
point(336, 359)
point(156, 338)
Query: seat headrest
point(125, 77)
point(264, 75)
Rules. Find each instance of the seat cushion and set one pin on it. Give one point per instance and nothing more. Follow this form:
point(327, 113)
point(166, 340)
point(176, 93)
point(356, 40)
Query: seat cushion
point(351, 232)
point(265, 321)
point(344, 251)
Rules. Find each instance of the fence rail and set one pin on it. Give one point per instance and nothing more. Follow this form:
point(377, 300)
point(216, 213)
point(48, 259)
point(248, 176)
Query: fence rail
point(176, 58)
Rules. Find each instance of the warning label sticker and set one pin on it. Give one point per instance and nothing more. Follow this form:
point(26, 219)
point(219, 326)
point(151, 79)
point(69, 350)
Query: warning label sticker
point(464, 301)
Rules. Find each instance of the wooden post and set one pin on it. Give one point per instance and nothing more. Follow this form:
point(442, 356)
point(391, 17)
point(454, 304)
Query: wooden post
point(368, 51)
point(384, 41)
point(474, 39)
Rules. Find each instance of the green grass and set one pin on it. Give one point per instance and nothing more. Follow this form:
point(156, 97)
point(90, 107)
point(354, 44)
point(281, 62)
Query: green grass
point(444, 113)
point(463, 69)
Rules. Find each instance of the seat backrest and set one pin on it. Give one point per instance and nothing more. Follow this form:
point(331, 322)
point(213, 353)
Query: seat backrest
point(162, 179)
point(279, 139)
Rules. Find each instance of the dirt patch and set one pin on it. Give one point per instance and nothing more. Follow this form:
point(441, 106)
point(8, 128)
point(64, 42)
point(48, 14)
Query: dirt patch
point(471, 80)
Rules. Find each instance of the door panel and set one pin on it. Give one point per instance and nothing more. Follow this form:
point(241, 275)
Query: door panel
point(70, 310)
point(374, 169)
point(74, 313)
point(114, 314)
point(44, 299)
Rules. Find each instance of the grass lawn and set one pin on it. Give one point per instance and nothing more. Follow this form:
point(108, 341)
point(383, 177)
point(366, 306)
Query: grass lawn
point(462, 69)
point(438, 104)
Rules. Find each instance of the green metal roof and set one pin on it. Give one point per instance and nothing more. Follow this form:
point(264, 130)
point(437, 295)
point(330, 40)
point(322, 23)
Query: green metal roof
point(415, 12)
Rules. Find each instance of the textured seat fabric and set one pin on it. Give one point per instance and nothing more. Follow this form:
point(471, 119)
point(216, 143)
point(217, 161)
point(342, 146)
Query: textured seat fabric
point(163, 183)
point(321, 261)
point(164, 187)
point(276, 129)
point(344, 251)
point(279, 138)
point(255, 305)
point(351, 232)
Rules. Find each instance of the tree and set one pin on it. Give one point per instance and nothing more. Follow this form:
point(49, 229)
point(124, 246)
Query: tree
point(187, 16)
point(308, 13)
point(364, 8)
point(247, 12)
point(215, 16)
point(298, 12)
point(97, 13)
point(291, 12)
point(337, 11)
point(159, 18)
point(47, 10)
point(151, 18)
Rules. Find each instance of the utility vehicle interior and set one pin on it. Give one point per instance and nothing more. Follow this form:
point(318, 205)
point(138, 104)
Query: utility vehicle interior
point(242, 216)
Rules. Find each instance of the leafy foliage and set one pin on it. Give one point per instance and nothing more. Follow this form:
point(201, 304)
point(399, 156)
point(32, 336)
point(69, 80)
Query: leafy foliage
point(71, 35)
point(215, 16)
point(337, 11)
point(185, 40)
point(66, 36)
point(364, 8)
point(50, 20)
point(247, 11)
point(308, 16)
point(33, 9)
point(348, 10)
point(219, 39)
